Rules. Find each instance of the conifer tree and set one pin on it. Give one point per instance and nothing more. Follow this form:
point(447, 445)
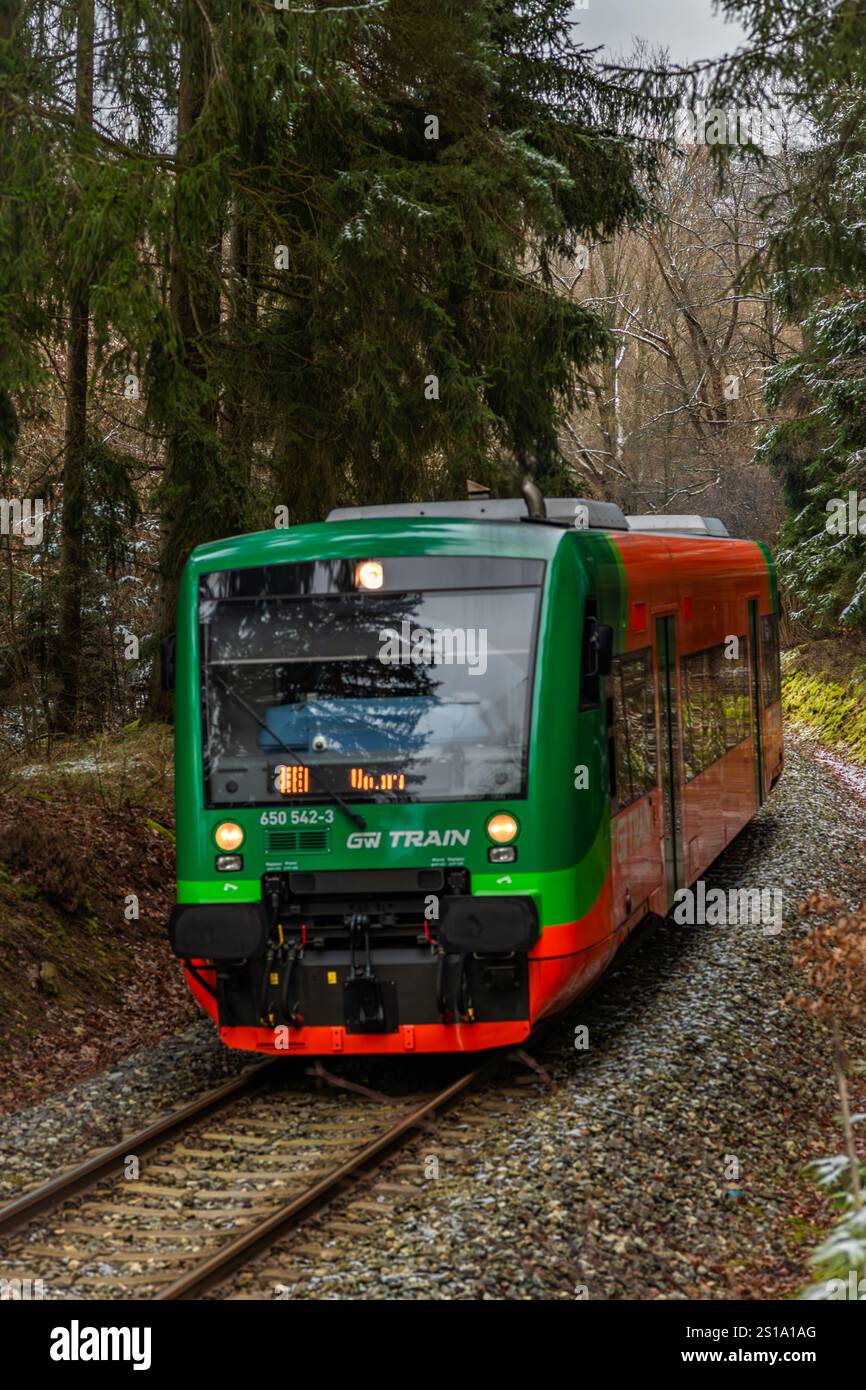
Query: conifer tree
point(72, 561)
point(323, 244)
point(812, 60)
point(78, 203)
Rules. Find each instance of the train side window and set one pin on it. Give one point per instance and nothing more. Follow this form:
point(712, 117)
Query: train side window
point(734, 692)
point(715, 703)
point(771, 688)
point(634, 769)
point(715, 731)
point(703, 714)
point(621, 772)
point(694, 680)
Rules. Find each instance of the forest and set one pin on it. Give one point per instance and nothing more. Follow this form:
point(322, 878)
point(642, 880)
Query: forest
point(258, 260)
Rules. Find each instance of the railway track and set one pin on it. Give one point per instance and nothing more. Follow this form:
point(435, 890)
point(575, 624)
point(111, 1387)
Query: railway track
point(177, 1243)
point(172, 1211)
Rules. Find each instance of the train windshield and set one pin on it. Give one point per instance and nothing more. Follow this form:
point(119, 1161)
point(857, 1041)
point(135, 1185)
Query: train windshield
point(376, 694)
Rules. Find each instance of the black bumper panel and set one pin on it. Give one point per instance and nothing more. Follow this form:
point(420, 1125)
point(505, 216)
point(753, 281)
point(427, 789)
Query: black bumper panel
point(230, 931)
point(411, 979)
point(326, 969)
point(487, 925)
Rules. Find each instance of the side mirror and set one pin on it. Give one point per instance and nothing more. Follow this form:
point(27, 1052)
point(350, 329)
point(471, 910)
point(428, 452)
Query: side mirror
point(167, 650)
point(599, 648)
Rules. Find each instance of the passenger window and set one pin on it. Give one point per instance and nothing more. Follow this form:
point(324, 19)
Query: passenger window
point(715, 702)
point(693, 678)
point(734, 694)
point(634, 727)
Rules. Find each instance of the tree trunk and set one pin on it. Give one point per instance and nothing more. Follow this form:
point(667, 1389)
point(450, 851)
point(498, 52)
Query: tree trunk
point(238, 424)
point(72, 558)
point(192, 454)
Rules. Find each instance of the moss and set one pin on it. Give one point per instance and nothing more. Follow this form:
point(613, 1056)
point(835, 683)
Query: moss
point(159, 829)
point(829, 710)
point(803, 1232)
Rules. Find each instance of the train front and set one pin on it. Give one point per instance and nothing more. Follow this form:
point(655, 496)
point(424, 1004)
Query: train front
point(353, 730)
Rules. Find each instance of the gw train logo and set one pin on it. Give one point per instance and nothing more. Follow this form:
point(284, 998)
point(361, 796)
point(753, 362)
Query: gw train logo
point(407, 839)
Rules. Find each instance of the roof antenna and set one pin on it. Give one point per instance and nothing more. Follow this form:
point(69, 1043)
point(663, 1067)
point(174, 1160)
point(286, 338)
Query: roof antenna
point(534, 500)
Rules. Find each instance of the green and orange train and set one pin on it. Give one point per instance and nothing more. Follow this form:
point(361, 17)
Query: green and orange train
point(436, 761)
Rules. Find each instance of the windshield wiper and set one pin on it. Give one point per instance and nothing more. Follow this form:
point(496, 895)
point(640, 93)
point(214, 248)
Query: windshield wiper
point(329, 791)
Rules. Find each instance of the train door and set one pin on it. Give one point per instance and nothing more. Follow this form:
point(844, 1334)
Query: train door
point(668, 760)
point(755, 681)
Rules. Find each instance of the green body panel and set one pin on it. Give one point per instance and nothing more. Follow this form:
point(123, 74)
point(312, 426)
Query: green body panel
point(564, 841)
point(774, 578)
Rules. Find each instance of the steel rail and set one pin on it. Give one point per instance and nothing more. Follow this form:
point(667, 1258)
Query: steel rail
point(249, 1243)
point(80, 1178)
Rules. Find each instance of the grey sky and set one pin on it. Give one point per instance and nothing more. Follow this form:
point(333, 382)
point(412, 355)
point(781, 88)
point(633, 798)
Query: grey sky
point(688, 28)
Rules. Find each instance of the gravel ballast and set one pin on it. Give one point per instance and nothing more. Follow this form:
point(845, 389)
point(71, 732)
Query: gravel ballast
point(659, 1162)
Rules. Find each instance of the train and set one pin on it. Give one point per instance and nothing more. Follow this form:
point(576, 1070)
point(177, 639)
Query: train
point(435, 762)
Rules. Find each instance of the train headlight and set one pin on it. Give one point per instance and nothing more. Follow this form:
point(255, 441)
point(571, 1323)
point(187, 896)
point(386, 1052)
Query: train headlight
point(229, 836)
point(369, 574)
point(502, 854)
point(502, 828)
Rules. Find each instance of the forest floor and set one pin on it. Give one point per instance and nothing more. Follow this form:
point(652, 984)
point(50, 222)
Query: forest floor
point(83, 833)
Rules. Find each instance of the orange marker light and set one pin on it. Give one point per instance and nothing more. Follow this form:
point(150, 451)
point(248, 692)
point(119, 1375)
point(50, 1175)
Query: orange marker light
point(229, 836)
point(369, 574)
point(502, 828)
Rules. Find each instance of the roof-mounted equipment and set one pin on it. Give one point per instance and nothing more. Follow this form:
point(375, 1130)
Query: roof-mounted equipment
point(582, 513)
point(691, 525)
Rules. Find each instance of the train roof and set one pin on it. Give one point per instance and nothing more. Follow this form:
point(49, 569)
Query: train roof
point(581, 513)
point(601, 516)
point(534, 526)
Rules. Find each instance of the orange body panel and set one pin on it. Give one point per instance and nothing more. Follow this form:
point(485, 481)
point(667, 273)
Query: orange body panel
point(706, 588)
